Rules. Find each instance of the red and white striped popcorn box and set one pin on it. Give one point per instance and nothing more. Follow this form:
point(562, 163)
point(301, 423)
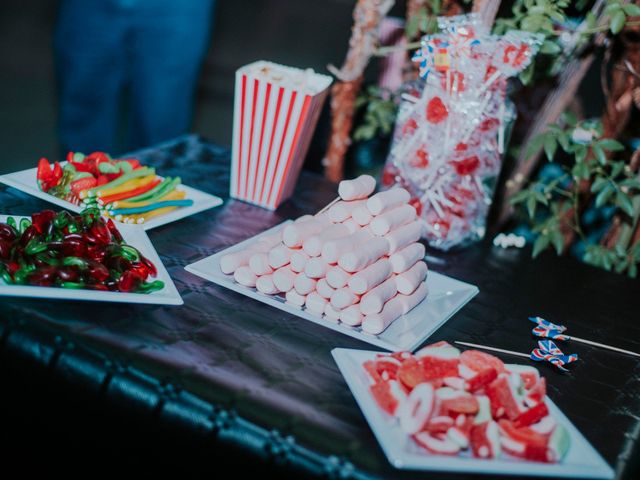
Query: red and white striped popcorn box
point(275, 113)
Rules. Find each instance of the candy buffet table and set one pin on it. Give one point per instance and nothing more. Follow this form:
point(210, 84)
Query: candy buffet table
point(250, 375)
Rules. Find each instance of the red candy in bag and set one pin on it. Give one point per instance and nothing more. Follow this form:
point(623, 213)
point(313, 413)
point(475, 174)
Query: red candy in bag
point(436, 110)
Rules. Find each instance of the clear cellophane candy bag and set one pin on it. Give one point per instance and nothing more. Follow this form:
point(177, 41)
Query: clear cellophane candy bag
point(447, 146)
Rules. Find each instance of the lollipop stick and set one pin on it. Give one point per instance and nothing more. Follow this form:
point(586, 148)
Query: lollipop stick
point(603, 345)
point(493, 349)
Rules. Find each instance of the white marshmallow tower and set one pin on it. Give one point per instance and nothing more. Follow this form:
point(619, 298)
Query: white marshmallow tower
point(359, 263)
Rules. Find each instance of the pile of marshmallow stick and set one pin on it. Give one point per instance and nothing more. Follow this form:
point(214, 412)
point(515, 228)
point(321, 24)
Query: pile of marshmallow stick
point(359, 262)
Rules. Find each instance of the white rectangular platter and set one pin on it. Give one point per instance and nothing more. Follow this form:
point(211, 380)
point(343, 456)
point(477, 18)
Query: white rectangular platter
point(25, 181)
point(133, 235)
point(446, 296)
point(581, 461)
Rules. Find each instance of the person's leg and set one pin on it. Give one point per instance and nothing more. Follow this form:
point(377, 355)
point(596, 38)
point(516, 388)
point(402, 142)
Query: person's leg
point(89, 60)
point(170, 40)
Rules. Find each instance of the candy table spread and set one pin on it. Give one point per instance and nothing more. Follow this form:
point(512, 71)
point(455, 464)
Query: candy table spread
point(221, 352)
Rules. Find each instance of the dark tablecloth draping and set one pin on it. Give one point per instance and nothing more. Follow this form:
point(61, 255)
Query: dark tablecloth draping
point(261, 378)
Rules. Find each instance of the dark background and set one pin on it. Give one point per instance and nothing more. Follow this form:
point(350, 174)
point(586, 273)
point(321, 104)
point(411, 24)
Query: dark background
point(302, 33)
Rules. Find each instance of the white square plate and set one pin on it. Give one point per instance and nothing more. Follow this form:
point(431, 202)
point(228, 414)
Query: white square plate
point(25, 181)
point(446, 296)
point(133, 235)
point(581, 461)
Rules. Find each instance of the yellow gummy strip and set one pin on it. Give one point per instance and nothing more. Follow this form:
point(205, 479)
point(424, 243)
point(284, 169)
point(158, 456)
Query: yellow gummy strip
point(173, 195)
point(129, 185)
point(145, 217)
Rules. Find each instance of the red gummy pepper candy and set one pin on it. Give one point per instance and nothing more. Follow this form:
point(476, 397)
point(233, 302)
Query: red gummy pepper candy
point(129, 281)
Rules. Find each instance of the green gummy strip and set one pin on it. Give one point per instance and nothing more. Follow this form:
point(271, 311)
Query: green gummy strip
point(153, 206)
point(140, 172)
point(157, 192)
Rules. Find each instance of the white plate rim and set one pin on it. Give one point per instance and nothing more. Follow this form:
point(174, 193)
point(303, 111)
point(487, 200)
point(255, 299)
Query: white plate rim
point(202, 200)
point(169, 295)
point(202, 269)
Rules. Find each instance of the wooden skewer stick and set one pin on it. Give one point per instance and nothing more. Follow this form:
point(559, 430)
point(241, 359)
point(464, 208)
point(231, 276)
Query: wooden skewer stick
point(603, 345)
point(493, 349)
point(329, 205)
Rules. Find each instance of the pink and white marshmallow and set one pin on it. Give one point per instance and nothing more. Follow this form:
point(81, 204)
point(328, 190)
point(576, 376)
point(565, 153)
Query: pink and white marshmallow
point(298, 260)
point(316, 303)
point(408, 281)
point(264, 284)
point(392, 219)
point(280, 255)
point(404, 259)
point(376, 323)
point(294, 298)
point(331, 313)
point(316, 268)
point(341, 211)
point(259, 264)
point(387, 200)
point(364, 255)
point(373, 301)
point(324, 289)
point(283, 278)
point(358, 188)
point(313, 244)
point(245, 276)
point(333, 249)
point(337, 277)
point(351, 316)
point(343, 298)
point(362, 216)
point(304, 285)
point(403, 236)
point(370, 277)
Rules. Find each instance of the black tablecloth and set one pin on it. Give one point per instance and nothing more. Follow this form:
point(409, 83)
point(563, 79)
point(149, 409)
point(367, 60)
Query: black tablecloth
point(261, 378)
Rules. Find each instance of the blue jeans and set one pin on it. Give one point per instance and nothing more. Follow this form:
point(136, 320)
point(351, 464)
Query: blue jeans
point(152, 50)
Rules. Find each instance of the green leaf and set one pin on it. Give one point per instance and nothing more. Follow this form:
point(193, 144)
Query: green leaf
point(557, 241)
point(600, 154)
point(580, 171)
point(604, 195)
point(612, 7)
point(531, 206)
point(563, 140)
point(541, 243)
point(631, 9)
point(534, 145)
point(364, 132)
point(616, 168)
point(631, 183)
point(611, 145)
point(618, 19)
point(550, 146)
point(527, 75)
point(599, 184)
point(633, 270)
point(624, 202)
point(541, 197)
point(581, 153)
point(519, 197)
point(591, 20)
point(570, 119)
point(550, 48)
